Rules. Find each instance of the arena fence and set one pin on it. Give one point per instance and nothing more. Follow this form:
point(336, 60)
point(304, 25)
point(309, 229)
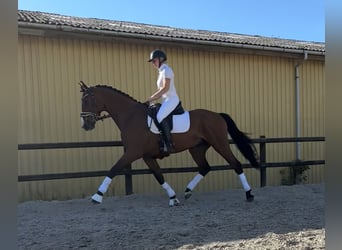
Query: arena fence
point(129, 172)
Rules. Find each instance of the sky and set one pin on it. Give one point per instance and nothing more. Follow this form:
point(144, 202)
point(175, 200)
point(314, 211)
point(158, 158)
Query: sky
point(288, 19)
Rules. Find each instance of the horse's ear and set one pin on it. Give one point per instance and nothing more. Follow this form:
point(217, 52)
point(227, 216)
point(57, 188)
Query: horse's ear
point(84, 86)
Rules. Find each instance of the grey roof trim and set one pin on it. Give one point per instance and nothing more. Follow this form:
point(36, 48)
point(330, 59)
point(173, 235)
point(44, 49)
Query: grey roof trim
point(48, 21)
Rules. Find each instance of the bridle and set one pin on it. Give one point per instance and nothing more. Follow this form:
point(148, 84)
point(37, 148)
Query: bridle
point(92, 115)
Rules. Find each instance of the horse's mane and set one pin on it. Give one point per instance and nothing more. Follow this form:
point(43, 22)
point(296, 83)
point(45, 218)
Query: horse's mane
point(116, 90)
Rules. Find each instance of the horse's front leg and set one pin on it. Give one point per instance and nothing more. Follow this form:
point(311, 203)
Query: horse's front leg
point(124, 161)
point(154, 166)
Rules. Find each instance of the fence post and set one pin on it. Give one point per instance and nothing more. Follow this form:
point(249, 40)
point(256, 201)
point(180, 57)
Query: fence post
point(128, 179)
point(262, 146)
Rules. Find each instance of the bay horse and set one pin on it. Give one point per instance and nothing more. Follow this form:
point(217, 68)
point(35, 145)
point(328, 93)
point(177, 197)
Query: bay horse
point(207, 129)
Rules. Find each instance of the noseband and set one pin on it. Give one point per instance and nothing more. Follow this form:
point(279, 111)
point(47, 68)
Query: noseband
point(91, 115)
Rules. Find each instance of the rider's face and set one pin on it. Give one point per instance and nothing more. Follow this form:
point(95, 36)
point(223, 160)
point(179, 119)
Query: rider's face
point(155, 62)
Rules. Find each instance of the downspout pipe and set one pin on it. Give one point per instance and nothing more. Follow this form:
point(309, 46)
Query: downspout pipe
point(298, 124)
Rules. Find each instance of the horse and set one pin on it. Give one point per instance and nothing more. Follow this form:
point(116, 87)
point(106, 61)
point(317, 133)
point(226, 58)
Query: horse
point(207, 129)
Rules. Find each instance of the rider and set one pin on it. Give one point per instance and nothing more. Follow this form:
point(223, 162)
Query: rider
point(166, 92)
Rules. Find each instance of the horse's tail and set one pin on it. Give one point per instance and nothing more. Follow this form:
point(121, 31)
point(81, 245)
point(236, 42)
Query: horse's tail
point(243, 142)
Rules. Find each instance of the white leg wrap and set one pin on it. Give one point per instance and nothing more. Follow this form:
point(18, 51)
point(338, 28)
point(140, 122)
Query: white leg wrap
point(244, 182)
point(97, 198)
point(105, 184)
point(192, 184)
point(168, 189)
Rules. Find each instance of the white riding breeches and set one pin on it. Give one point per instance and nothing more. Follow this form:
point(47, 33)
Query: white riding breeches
point(167, 106)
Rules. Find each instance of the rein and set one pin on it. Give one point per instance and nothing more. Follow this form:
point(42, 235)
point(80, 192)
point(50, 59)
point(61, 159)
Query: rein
point(91, 115)
point(94, 116)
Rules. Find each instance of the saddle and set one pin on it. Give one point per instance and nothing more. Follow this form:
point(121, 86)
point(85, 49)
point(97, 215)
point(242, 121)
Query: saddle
point(154, 108)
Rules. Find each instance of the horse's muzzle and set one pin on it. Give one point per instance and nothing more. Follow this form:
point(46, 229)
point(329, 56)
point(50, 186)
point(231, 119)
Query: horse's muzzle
point(88, 121)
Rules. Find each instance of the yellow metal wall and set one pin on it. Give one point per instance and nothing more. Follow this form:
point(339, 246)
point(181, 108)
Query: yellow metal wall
point(257, 91)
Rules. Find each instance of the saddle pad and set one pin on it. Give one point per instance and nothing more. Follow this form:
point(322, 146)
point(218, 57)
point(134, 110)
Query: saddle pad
point(181, 123)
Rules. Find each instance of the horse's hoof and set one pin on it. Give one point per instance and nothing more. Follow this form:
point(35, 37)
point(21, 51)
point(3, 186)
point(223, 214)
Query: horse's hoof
point(249, 196)
point(97, 199)
point(173, 202)
point(187, 193)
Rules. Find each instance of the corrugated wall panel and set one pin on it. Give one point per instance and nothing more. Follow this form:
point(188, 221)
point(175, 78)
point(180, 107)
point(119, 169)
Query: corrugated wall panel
point(313, 115)
point(257, 91)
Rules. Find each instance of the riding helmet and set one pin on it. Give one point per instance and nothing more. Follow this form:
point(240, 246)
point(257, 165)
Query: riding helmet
point(157, 54)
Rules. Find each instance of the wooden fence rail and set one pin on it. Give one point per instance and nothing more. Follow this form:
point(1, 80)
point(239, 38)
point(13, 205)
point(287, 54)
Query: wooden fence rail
point(129, 172)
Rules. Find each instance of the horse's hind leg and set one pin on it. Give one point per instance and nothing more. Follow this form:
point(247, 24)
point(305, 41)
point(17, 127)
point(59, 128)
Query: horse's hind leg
point(225, 151)
point(154, 166)
point(198, 154)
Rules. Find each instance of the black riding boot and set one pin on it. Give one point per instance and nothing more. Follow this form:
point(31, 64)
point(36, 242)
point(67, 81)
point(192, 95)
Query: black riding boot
point(166, 134)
